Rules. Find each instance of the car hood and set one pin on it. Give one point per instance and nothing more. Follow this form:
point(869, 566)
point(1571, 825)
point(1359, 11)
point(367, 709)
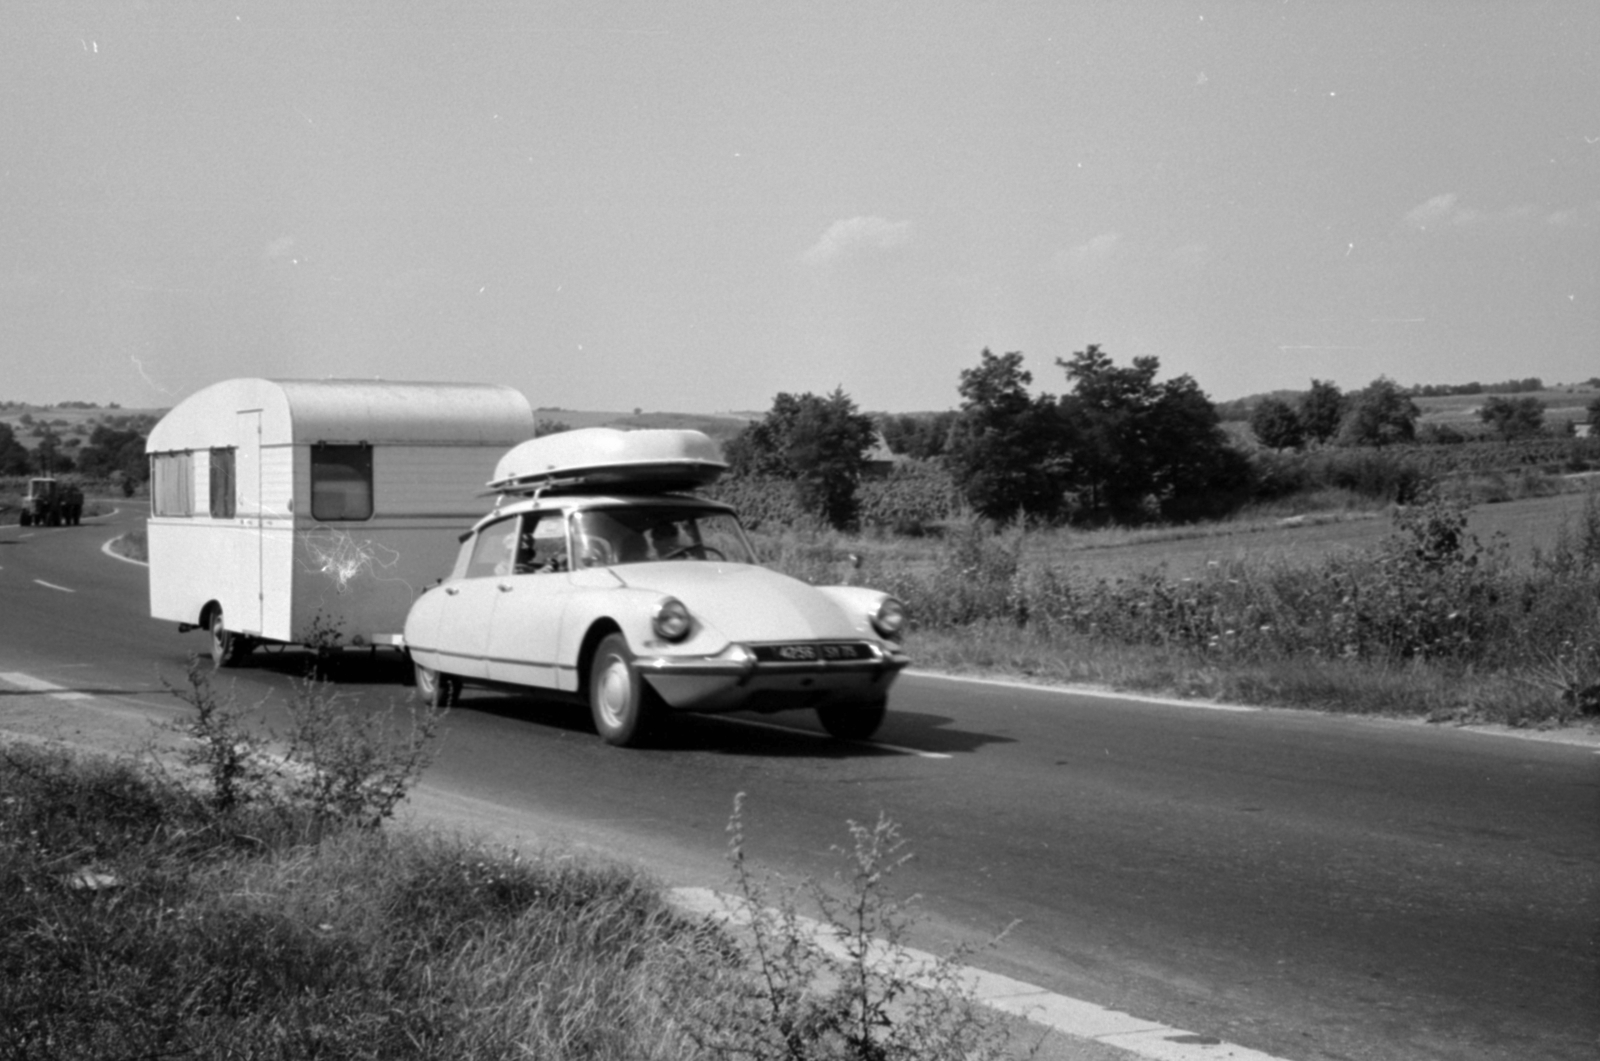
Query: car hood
point(747, 603)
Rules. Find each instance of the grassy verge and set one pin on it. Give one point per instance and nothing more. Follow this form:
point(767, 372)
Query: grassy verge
point(138, 924)
point(1534, 697)
point(1429, 622)
point(246, 902)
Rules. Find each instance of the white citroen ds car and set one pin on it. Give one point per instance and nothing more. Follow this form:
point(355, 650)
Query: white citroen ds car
point(595, 576)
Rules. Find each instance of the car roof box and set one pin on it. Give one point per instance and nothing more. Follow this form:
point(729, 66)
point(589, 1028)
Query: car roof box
point(658, 461)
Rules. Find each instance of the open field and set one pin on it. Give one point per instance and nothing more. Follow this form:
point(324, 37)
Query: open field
point(1562, 404)
point(1525, 525)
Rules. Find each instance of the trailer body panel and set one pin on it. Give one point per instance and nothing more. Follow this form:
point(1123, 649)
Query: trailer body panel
point(315, 512)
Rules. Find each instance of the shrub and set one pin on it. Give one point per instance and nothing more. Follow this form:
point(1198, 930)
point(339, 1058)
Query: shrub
point(914, 498)
point(851, 990)
point(340, 767)
point(764, 502)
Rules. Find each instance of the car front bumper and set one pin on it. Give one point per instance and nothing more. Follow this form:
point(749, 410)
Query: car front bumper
point(735, 680)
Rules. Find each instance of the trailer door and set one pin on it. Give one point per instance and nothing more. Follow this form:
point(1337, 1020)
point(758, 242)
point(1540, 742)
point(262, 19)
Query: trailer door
point(249, 513)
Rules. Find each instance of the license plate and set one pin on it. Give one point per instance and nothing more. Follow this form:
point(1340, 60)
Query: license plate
point(810, 652)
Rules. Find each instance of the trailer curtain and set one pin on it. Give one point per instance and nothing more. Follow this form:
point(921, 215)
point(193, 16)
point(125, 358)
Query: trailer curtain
point(172, 484)
point(222, 493)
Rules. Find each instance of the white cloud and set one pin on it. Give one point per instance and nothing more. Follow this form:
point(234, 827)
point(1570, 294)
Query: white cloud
point(1586, 216)
point(1087, 255)
point(857, 233)
point(1445, 211)
point(1435, 211)
point(278, 248)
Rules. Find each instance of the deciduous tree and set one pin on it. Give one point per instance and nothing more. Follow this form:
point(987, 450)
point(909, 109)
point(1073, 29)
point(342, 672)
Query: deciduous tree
point(1512, 418)
point(1141, 443)
point(112, 449)
point(1007, 450)
point(820, 443)
point(14, 456)
point(1380, 414)
point(1276, 424)
point(1321, 410)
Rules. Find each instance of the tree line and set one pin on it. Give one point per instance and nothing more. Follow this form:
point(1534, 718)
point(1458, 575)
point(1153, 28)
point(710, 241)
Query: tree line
point(1118, 445)
point(110, 450)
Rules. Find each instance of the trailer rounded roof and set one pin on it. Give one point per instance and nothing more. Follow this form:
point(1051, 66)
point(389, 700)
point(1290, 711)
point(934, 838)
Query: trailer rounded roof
point(378, 412)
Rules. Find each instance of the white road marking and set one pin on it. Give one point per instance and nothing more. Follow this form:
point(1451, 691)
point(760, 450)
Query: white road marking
point(1084, 690)
point(52, 585)
point(106, 548)
point(39, 685)
point(1069, 1016)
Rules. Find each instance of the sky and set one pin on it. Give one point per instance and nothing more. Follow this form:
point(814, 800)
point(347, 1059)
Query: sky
point(691, 207)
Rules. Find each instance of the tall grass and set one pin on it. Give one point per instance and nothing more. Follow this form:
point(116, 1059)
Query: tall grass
point(139, 922)
point(1430, 622)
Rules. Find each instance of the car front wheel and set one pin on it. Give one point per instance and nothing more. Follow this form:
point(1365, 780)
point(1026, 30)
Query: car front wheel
point(853, 721)
point(623, 706)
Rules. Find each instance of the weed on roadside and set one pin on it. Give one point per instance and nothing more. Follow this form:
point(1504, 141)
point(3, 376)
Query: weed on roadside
point(846, 988)
point(339, 764)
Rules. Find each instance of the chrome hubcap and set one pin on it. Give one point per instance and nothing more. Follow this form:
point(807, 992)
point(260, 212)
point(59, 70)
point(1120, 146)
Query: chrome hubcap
point(613, 694)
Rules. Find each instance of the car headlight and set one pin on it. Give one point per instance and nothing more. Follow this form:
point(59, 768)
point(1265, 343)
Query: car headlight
point(890, 619)
point(670, 620)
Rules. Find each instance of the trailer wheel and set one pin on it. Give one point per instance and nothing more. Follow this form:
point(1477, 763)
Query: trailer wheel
point(228, 649)
point(436, 689)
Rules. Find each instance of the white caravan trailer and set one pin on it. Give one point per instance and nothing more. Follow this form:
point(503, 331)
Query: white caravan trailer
point(315, 511)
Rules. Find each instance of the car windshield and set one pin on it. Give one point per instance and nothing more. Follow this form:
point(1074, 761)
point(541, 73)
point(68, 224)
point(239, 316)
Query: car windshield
point(637, 534)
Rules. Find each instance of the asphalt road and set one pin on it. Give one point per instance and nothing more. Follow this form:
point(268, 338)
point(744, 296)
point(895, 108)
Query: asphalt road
point(1308, 886)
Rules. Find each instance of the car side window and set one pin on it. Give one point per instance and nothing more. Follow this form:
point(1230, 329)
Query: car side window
point(542, 546)
point(493, 549)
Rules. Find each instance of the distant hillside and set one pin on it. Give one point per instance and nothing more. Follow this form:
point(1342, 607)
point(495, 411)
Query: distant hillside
point(720, 426)
point(1561, 402)
point(73, 422)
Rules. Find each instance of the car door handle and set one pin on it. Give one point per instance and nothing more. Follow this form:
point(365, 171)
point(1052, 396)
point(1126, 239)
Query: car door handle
point(505, 587)
point(452, 590)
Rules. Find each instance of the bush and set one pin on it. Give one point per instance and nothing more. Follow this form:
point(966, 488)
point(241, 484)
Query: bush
point(339, 767)
point(913, 499)
point(763, 502)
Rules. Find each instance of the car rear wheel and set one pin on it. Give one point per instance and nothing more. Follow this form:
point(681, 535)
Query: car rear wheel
point(228, 649)
point(853, 721)
point(435, 688)
point(623, 706)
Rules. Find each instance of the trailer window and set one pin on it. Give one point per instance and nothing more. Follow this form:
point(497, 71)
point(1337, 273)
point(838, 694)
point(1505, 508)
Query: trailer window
point(222, 496)
point(341, 482)
point(172, 484)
